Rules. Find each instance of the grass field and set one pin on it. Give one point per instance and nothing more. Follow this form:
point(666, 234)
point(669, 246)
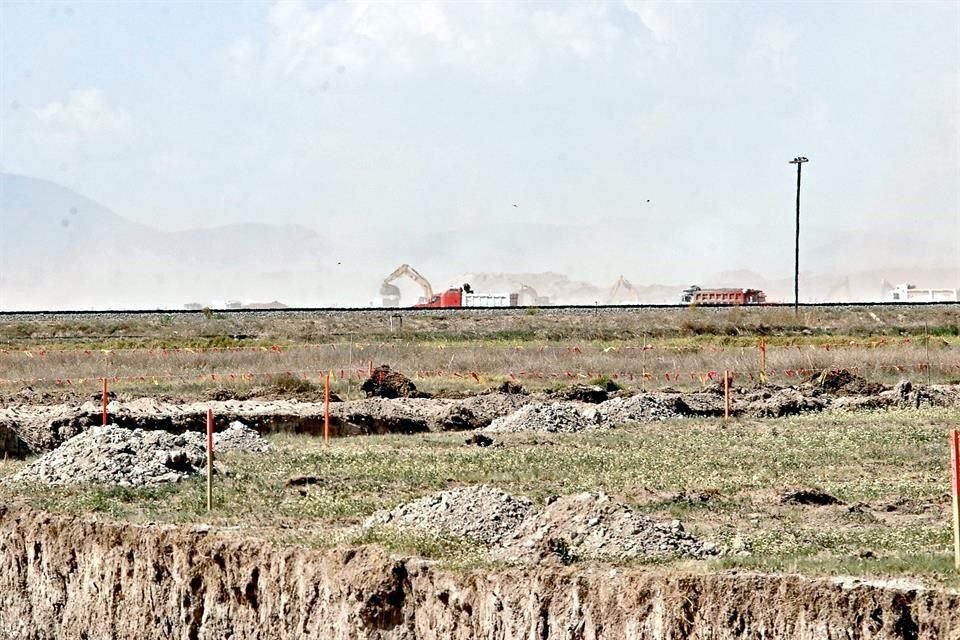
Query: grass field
point(188, 355)
point(723, 482)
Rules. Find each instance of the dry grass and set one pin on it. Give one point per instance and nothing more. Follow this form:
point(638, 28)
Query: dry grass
point(677, 362)
point(517, 326)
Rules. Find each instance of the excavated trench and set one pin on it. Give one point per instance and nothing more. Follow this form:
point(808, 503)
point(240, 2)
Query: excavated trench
point(76, 577)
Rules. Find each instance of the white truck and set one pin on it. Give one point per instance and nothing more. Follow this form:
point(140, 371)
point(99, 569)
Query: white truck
point(911, 293)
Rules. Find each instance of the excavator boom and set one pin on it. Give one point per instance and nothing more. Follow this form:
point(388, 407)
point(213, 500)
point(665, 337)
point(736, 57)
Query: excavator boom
point(391, 294)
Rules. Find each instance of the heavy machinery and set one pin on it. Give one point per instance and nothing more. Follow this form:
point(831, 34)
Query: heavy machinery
point(390, 292)
point(623, 292)
point(528, 296)
point(912, 293)
point(451, 298)
point(465, 297)
point(722, 297)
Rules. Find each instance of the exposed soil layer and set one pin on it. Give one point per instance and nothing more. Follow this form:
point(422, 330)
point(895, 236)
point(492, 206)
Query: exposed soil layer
point(76, 577)
point(28, 428)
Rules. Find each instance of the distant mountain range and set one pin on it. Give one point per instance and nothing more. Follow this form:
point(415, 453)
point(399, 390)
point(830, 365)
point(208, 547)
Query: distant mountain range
point(60, 249)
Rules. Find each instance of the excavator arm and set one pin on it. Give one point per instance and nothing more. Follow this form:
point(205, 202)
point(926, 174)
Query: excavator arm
point(622, 285)
point(389, 291)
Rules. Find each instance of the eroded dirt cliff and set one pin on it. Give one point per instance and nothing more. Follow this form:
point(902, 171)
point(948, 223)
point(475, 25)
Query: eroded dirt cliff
point(79, 577)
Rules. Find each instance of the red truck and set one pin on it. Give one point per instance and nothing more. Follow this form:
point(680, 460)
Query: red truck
point(724, 297)
point(465, 297)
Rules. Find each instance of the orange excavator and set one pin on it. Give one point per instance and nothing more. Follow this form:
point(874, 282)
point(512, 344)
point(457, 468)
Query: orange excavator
point(391, 293)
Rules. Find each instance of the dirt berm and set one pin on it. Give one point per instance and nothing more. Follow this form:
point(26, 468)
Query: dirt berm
point(75, 577)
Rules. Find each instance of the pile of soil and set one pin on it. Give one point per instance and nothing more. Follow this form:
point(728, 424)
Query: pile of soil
point(581, 526)
point(845, 383)
point(592, 525)
point(557, 417)
point(134, 457)
point(588, 393)
point(482, 513)
point(511, 387)
point(113, 455)
point(387, 383)
point(778, 403)
point(639, 408)
point(240, 437)
point(702, 404)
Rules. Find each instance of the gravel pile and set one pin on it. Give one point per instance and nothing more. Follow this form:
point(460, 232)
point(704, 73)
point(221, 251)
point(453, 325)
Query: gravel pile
point(592, 525)
point(239, 437)
point(479, 512)
point(641, 408)
point(558, 417)
point(113, 455)
point(135, 457)
point(581, 526)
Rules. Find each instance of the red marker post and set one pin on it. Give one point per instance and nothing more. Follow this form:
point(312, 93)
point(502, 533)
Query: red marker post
point(955, 492)
point(726, 395)
point(326, 412)
point(209, 459)
point(763, 360)
point(103, 398)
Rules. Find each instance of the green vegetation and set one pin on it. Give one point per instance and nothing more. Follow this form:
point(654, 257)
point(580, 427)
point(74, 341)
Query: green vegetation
point(606, 383)
point(888, 468)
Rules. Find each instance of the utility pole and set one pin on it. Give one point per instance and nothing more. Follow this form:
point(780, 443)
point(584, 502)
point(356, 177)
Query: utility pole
point(796, 255)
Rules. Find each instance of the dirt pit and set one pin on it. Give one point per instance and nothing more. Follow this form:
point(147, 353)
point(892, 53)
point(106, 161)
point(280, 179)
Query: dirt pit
point(60, 577)
point(27, 428)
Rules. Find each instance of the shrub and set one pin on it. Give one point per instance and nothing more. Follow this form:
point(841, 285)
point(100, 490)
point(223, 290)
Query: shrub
point(606, 383)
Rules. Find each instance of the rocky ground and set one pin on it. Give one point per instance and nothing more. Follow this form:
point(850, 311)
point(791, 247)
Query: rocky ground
point(568, 528)
point(479, 512)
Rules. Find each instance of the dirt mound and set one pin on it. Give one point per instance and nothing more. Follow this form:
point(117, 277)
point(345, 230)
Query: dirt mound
point(134, 457)
point(240, 437)
point(511, 387)
point(844, 383)
point(387, 383)
point(696, 404)
point(222, 394)
point(778, 403)
point(591, 394)
point(558, 417)
point(479, 440)
point(482, 513)
point(113, 455)
point(490, 406)
point(639, 408)
point(592, 525)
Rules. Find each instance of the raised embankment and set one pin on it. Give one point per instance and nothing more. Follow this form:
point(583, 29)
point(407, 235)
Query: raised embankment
point(76, 577)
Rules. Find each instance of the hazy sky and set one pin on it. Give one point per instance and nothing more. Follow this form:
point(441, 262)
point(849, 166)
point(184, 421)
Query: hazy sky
point(446, 114)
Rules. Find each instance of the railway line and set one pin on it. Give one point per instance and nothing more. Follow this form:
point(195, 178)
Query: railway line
point(547, 309)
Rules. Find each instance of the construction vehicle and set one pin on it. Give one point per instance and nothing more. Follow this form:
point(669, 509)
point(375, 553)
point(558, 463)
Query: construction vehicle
point(622, 292)
point(451, 298)
point(911, 293)
point(528, 296)
point(465, 297)
point(390, 292)
point(722, 297)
